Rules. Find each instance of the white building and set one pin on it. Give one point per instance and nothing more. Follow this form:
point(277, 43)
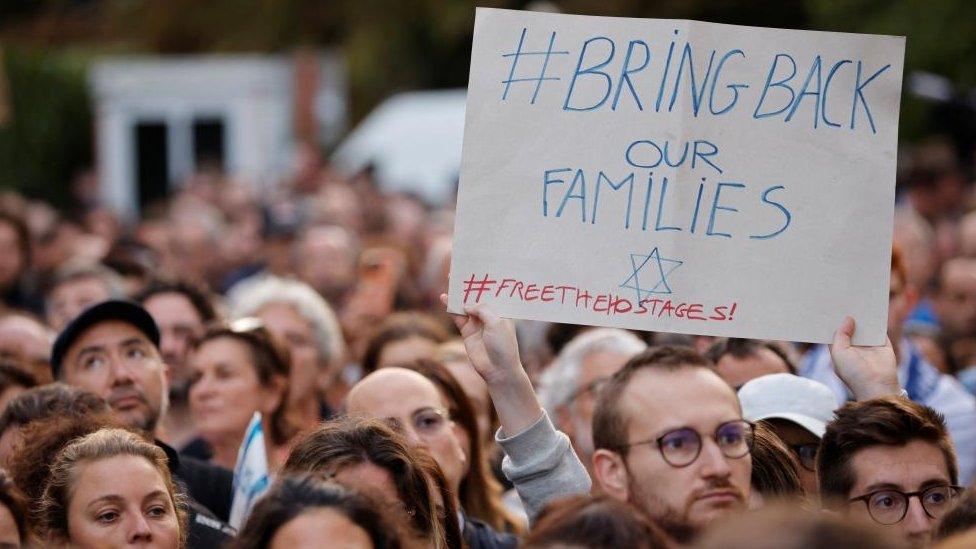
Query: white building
point(413, 143)
point(158, 118)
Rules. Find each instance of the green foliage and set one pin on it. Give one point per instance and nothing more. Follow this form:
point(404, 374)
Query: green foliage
point(47, 137)
point(940, 38)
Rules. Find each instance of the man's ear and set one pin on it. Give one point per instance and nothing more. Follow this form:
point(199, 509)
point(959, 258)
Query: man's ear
point(611, 474)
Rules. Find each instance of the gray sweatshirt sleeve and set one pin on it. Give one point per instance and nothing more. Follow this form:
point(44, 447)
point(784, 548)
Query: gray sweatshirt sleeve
point(542, 464)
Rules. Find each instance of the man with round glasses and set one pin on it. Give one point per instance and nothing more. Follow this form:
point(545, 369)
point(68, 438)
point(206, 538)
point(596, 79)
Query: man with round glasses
point(670, 439)
point(890, 460)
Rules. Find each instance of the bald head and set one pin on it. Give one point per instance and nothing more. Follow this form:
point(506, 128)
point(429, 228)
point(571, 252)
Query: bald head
point(387, 389)
point(421, 412)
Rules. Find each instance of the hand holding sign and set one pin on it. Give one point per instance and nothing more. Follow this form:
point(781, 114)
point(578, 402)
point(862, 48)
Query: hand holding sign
point(491, 344)
point(493, 350)
point(869, 372)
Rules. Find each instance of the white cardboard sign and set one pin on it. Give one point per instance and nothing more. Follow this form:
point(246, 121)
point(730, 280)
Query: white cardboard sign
point(678, 176)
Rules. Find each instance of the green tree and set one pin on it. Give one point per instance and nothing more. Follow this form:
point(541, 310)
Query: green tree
point(47, 136)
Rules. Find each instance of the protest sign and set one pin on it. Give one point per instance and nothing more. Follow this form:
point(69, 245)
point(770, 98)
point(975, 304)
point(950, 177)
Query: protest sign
point(678, 176)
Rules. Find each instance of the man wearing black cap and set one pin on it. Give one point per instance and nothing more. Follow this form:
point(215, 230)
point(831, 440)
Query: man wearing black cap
point(112, 350)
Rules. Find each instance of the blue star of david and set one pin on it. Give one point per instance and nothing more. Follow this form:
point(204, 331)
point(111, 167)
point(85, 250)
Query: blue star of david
point(660, 267)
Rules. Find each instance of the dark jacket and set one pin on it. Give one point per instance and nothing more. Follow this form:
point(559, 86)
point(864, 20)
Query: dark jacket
point(209, 489)
point(210, 485)
point(478, 535)
point(205, 531)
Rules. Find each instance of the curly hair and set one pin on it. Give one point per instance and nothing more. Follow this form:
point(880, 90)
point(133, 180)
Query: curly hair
point(16, 504)
point(44, 439)
point(54, 399)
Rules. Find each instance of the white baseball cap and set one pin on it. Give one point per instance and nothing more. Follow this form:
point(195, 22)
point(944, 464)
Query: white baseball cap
point(810, 404)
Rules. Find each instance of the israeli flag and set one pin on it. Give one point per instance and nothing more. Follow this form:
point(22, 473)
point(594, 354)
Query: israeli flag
point(251, 478)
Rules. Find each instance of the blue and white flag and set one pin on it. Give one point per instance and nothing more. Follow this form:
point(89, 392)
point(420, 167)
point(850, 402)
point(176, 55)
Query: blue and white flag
point(251, 478)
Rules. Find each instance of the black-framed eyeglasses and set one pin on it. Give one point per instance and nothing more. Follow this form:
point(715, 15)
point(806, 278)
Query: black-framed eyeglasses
point(806, 454)
point(681, 447)
point(889, 506)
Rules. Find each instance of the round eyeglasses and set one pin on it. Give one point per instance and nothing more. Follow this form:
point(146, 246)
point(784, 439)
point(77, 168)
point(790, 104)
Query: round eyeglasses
point(890, 506)
point(681, 447)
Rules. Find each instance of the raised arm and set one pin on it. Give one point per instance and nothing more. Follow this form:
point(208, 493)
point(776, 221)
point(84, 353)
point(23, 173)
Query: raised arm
point(493, 350)
point(539, 460)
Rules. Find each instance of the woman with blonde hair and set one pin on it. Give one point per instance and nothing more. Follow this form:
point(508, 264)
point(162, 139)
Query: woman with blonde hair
point(112, 488)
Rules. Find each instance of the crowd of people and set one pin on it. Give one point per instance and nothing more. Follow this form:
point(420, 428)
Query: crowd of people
point(134, 354)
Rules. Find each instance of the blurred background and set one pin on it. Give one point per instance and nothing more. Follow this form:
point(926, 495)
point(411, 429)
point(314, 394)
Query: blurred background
point(224, 141)
point(146, 92)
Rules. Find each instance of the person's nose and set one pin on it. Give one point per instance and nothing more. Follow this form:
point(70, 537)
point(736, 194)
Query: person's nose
point(917, 523)
point(713, 462)
point(138, 530)
point(121, 370)
point(202, 389)
point(170, 344)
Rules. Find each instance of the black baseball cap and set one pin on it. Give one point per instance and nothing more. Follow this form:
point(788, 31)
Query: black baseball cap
point(113, 309)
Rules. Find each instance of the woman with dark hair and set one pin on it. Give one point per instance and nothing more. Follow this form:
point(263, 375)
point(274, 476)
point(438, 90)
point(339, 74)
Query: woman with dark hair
point(595, 522)
point(14, 526)
point(774, 468)
point(237, 370)
point(302, 511)
point(402, 338)
point(479, 493)
point(369, 456)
